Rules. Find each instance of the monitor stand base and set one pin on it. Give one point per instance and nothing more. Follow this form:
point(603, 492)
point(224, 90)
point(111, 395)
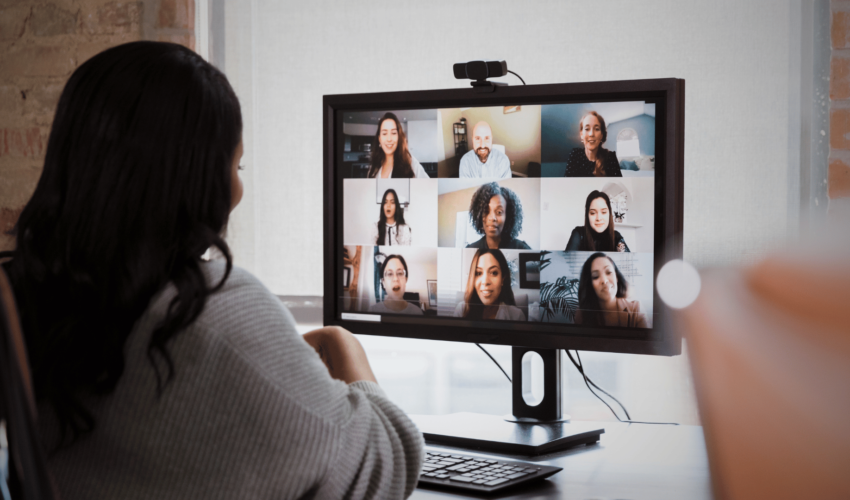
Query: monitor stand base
point(531, 429)
point(529, 420)
point(476, 431)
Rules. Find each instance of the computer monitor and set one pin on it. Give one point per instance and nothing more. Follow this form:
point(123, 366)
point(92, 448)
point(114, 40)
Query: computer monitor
point(533, 216)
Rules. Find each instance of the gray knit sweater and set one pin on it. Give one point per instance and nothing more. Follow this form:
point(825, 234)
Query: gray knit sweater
point(251, 413)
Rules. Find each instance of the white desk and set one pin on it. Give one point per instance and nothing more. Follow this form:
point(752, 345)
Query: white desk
point(632, 461)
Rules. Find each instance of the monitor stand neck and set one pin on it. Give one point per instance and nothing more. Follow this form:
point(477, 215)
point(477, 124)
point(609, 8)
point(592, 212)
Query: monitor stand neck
point(548, 409)
point(531, 430)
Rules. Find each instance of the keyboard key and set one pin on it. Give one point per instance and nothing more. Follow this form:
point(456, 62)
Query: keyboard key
point(463, 479)
point(442, 476)
point(518, 475)
point(496, 482)
point(480, 481)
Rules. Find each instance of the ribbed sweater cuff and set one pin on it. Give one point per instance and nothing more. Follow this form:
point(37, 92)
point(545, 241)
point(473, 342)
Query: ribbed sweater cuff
point(368, 387)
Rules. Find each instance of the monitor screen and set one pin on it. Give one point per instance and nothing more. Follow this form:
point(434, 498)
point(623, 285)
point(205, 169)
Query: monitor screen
point(535, 216)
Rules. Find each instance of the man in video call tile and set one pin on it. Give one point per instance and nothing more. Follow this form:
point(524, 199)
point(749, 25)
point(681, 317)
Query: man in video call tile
point(482, 160)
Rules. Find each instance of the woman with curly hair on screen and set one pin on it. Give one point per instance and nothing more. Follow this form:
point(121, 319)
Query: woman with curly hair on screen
point(496, 213)
point(488, 289)
point(158, 374)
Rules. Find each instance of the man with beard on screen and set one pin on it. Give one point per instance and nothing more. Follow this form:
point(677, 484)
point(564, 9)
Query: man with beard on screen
point(482, 160)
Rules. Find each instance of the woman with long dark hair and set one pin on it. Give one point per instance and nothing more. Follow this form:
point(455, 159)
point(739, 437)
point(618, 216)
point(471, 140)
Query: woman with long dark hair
point(488, 289)
point(391, 229)
point(597, 233)
point(602, 296)
point(390, 154)
point(592, 160)
point(158, 374)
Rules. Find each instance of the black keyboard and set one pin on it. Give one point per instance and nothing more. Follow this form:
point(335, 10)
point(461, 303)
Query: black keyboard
point(478, 474)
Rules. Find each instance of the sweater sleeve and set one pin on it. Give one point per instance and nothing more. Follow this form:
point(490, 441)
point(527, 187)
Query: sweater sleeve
point(376, 454)
point(343, 441)
point(251, 413)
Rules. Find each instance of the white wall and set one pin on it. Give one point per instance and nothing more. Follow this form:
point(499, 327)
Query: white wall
point(735, 57)
point(741, 64)
point(422, 139)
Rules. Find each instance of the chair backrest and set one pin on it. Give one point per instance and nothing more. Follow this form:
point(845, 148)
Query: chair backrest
point(29, 477)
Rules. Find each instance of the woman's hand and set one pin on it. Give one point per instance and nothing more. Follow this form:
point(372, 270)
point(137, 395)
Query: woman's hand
point(342, 353)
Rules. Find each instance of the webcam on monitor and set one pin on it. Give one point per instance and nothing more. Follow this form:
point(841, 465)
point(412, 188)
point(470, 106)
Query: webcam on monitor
point(479, 72)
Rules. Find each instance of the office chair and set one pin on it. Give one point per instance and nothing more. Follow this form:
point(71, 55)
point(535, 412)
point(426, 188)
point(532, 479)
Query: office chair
point(29, 478)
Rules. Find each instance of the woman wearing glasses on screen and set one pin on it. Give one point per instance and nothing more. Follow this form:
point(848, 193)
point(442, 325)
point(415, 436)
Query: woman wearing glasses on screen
point(592, 160)
point(488, 289)
point(597, 233)
point(390, 230)
point(150, 359)
point(602, 292)
point(394, 281)
point(496, 213)
point(391, 156)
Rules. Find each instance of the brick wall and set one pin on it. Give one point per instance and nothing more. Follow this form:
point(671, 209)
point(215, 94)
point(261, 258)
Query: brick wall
point(41, 43)
point(839, 106)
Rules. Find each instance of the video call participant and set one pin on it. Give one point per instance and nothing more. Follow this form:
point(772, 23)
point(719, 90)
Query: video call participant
point(592, 160)
point(602, 291)
point(496, 212)
point(390, 154)
point(482, 161)
point(597, 233)
point(152, 360)
point(390, 229)
point(394, 281)
point(488, 289)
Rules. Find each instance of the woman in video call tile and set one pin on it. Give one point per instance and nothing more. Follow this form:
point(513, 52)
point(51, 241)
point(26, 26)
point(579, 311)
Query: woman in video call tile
point(394, 281)
point(390, 230)
point(602, 291)
point(488, 289)
point(592, 160)
point(598, 231)
point(496, 212)
point(391, 156)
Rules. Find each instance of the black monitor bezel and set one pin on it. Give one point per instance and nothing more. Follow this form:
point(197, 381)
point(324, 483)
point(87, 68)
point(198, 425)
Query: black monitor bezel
point(669, 96)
